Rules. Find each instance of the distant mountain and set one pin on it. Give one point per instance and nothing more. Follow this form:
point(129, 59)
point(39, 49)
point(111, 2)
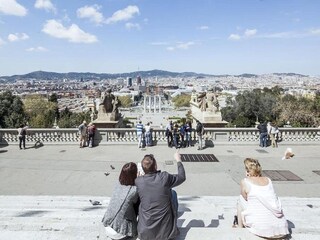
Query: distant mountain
point(290, 74)
point(248, 75)
point(42, 75)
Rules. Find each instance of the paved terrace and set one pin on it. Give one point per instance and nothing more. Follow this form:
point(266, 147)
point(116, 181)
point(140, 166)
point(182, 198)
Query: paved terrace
point(45, 191)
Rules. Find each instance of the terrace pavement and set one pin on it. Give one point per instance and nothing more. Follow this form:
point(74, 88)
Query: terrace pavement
point(45, 191)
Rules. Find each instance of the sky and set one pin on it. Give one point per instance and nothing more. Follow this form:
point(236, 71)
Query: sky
point(117, 36)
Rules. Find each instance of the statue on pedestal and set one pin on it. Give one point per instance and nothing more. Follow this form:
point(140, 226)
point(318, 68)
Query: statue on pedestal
point(212, 101)
point(108, 109)
point(208, 101)
point(205, 107)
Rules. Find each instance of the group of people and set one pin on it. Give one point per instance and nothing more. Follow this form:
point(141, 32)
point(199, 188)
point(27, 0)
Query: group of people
point(144, 134)
point(144, 204)
point(179, 136)
point(86, 133)
point(268, 132)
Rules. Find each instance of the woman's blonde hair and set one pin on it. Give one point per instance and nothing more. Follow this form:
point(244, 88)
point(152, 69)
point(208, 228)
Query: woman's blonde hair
point(253, 167)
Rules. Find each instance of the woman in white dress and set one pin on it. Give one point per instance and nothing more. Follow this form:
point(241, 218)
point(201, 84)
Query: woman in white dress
point(259, 208)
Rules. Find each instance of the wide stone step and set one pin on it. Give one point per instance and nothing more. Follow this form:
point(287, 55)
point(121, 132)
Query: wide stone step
point(200, 217)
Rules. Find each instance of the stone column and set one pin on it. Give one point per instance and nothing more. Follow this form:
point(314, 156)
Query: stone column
point(149, 97)
point(154, 103)
point(144, 103)
point(159, 103)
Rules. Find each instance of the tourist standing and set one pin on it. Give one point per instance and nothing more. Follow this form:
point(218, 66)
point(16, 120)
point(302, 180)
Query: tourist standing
point(263, 132)
point(273, 134)
point(83, 134)
point(148, 135)
point(169, 133)
point(22, 132)
point(91, 133)
point(188, 130)
point(200, 132)
point(176, 136)
point(269, 133)
point(158, 210)
point(182, 135)
point(140, 129)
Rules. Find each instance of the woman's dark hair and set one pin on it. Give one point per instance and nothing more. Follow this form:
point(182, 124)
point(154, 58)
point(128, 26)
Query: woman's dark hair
point(128, 174)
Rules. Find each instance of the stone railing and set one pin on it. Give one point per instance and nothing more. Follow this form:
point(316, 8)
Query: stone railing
point(129, 135)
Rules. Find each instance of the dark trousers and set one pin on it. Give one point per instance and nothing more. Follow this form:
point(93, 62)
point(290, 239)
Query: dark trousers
point(90, 140)
point(263, 139)
point(170, 139)
point(22, 141)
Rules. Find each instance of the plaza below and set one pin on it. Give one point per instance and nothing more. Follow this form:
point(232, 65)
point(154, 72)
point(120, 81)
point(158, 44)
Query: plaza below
point(45, 190)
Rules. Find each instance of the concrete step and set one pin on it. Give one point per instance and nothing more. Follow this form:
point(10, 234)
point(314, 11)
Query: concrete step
point(200, 217)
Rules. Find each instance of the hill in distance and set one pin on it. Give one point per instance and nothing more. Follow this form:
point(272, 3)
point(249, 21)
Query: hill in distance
point(43, 75)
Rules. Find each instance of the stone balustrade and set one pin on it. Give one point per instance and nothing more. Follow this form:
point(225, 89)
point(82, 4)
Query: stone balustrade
point(129, 135)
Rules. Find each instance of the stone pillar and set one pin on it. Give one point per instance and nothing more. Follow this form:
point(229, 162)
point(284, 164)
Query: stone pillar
point(159, 97)
point(144, 103)
point(154, 103)
point(149, 97)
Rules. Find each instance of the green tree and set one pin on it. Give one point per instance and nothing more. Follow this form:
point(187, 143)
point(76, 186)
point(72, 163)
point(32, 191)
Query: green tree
point(54, 98)
point(250, 106)
point(12, 113)
point(125, 101)
point(299, 111)
point(182, 100)
point(72, 120)
point(41, 112)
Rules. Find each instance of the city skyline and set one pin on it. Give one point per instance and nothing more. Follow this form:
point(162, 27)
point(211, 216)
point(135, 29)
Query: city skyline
point(211, 37)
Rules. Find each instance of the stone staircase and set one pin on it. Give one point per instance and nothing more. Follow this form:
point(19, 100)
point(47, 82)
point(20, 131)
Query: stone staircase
point(200, 218)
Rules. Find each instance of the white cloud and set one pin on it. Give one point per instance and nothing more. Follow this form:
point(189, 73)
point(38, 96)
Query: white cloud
point(315, 31)
point(123, 15)
point(17, 37)
point(181, 45)
point(2, 42)
point(133, 26)
point(234, 37)
point(203, 27)
point(250, 32)
point(247, 34)
point(72, 34)
point(159, 43)
point(36, 49)
point(184, 45)
point(92, 13)
point(46, 5)
point(11, 7)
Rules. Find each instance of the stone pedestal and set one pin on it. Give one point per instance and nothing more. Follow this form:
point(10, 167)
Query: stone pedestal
point(207, 118)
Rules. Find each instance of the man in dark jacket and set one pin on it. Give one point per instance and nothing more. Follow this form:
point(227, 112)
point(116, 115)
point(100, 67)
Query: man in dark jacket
point(263, 131)
point(158, 202)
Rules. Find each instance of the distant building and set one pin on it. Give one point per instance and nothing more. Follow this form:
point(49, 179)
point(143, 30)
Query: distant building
point(138, 80)
point(129, 82)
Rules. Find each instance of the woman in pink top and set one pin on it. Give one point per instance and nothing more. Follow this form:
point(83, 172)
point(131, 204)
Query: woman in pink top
point(259, 208)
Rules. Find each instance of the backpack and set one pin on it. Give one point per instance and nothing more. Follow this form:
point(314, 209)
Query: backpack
point(23, 132)
point(199, 128)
